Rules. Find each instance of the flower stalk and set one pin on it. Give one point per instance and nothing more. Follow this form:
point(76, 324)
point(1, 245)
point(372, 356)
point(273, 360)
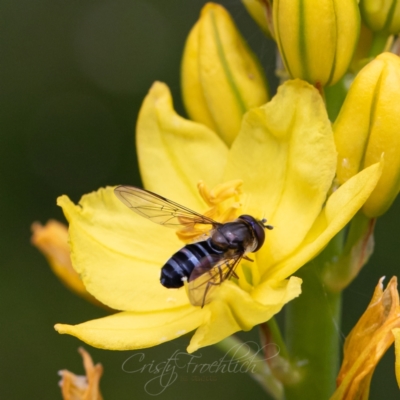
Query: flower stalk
point(339, 272)
point(276, 353)
point(379, 43)
point(312, 330)
point(259, 370)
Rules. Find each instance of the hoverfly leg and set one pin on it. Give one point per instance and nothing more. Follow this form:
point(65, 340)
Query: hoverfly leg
point(234, 274)
point(209, 284)
point(220, 273)
point(248, 258)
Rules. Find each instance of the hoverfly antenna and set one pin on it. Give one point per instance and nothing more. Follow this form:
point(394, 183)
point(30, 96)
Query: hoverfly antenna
point(263, 221)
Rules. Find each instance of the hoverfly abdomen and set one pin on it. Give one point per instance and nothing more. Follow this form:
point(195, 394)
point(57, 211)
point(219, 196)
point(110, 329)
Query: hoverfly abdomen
point(182, 263)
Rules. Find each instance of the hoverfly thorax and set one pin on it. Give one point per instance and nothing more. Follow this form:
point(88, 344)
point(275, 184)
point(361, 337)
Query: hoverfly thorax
point(205, 264)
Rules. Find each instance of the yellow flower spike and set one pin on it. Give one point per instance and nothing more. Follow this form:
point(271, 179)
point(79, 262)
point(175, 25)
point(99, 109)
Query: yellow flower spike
point(77, 387)
point(368, 342)
point(286, 158)
point(381, 15)
point(316, 39)
point(52, 240)
point(261, 12)
point(221, 77)
point(366, 130)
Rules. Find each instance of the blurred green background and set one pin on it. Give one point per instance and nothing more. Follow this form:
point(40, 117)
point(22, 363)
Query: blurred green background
point(73, 75)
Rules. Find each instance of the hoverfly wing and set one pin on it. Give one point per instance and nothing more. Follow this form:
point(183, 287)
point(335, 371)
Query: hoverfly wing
point(209, 274)
point(159, 209)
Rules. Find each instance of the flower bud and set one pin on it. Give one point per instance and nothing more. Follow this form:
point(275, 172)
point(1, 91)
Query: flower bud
point(316, 39)
point(381, 15)
point(261, 12)
point(367, 130)
point(221, 77)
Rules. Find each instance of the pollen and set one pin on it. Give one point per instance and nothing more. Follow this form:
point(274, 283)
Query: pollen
point(171, 300)
point(181, 332)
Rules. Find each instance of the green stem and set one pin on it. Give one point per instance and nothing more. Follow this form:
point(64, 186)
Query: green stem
point(277, 337)
point(276, 354)
point(253, 362)
point(313, 329)
point(312, 337)
point(378, 44)
point(340, 272)
point(334, 98)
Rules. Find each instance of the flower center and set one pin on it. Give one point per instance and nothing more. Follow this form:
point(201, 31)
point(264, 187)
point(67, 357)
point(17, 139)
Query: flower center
point(224, 203)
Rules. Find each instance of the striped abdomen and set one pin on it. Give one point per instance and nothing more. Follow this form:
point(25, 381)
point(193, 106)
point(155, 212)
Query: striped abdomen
point(182, 263)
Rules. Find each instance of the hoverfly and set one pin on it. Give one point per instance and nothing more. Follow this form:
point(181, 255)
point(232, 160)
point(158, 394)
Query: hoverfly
point(207, 262)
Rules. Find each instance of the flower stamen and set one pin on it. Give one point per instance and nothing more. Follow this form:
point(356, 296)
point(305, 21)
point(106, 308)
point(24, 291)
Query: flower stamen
point(224, 202)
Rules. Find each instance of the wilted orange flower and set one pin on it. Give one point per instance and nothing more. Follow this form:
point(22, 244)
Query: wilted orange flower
point(80, 387)
point(368, 342)
point(52, 240)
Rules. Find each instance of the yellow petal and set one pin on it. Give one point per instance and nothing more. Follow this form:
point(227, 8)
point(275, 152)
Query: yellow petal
point(175, 153)
point(286, 157)
point(234, 310)
point(341, 206)
point(119, 254)
point(129, 331)
point(396, 334)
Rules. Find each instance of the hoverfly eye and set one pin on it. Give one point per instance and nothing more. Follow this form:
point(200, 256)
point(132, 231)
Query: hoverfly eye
point(259, 233)
point(258, 229)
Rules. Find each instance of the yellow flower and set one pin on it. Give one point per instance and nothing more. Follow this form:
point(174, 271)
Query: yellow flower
point(381, 15)
point(77, 387)
point(316, 39)
point(52, 241)
point(286, 159)
point(221, 77)
point(367, 129)
point(368, 342)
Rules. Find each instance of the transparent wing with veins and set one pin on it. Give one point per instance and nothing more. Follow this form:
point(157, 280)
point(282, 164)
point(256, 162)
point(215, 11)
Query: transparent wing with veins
point(209, 274)
point(159, 209)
